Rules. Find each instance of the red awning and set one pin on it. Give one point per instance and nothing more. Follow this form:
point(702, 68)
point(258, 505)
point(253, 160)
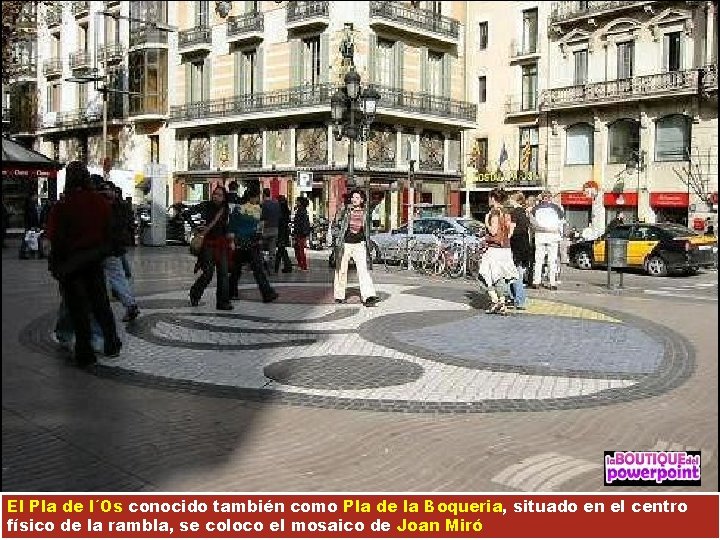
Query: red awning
point(670, 200)
point(575, 198)
point(626, 198)
point(29, 171)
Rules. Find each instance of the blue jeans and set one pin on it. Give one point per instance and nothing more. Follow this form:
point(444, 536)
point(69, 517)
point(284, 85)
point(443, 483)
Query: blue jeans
point(115, 276)
point(517, 287)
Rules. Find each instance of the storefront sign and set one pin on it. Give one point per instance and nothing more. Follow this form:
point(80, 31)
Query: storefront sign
point(575, 198)
point(509, 177)
point(628, 198)
point(669, 200)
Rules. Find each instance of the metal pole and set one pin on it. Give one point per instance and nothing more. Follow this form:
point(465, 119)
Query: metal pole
point(411, 206)
point(105, 94)
point(351, 146)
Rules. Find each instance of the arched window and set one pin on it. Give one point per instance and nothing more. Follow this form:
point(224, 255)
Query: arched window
point(623, 140)
point(579, 144)
point(672, 138)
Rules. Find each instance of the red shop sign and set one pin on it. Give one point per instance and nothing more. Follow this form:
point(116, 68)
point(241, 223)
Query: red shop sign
point(575, 198)
point(627, 198)
point(670, 200)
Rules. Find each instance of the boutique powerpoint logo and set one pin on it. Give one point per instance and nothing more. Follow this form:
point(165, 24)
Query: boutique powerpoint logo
point(652, 468)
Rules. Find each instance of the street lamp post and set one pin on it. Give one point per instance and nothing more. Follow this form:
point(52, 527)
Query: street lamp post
point(637, 162)
point(353, 110)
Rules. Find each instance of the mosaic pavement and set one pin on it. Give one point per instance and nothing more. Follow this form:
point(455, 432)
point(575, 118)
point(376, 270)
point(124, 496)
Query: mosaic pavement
point(422, 349)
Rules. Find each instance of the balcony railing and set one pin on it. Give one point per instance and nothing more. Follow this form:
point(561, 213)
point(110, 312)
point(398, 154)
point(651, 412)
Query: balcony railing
point(52, 66)
point(526, 103)
point(147, 35)
point(111, 4)
point(563, 11)
point(302, 11)
point(710, 81)
point(421, 19)
point(80, 8)
point(423, 103)
point(519, 49)
point(291, 98)
point(148, 104)
point(53, 16)
point(645, 86)
point(23, 70)
point(194, 36)
point(249, 22)
point(80, 60)
point(111, 51)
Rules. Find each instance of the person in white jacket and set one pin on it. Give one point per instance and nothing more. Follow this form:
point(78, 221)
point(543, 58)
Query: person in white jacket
point(547, 220)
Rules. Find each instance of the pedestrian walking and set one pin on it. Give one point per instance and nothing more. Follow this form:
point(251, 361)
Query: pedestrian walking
point(244, 230)
point(284, 237)
point(547, 222)
point(352, 243)
point(79, 232)
point(270, 217)
point(31, 222)
point(497, 269)
point(115, 271)
point(214, 252)
point(301, 231)
point(519, 246)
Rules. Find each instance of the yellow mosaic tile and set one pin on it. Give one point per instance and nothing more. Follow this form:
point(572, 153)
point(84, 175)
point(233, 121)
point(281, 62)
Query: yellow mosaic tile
point(559, 309)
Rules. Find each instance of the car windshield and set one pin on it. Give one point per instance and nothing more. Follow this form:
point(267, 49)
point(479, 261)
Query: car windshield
point(678, 230)
point(471, 225)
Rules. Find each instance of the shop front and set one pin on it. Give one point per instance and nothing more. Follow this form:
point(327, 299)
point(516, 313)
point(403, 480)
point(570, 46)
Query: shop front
point(578, 209)
point(624, 202)
point(670, 207)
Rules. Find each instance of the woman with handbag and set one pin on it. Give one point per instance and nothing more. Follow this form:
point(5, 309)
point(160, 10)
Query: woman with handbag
point(214, 252)
point(79, 231)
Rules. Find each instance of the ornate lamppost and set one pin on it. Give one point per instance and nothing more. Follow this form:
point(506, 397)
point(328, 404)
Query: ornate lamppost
point(352, 108)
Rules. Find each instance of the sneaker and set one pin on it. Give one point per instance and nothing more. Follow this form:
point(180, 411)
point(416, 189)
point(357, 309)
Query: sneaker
point(194, 300)
point(131, 314)
point(271, 297)
point(113, 350)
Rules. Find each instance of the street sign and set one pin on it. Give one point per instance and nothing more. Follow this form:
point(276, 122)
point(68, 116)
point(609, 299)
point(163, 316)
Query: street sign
point(305, 180)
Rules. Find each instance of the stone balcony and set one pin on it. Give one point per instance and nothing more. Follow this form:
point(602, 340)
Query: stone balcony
point(643, 87)
point(562, 12)
point(422, 22)
point(196, 38)
point(245, 27)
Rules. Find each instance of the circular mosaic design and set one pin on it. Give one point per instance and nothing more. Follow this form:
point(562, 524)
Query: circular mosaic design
point(343, 372)
point(421, 349)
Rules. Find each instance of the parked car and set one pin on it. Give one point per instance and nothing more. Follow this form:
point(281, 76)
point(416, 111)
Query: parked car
point(426, 230)
point(179, 225)
point(659, 249)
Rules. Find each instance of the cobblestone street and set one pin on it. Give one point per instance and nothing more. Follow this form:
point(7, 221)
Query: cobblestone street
point(423, 392)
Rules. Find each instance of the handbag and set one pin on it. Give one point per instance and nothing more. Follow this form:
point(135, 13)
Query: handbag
point(198, 240)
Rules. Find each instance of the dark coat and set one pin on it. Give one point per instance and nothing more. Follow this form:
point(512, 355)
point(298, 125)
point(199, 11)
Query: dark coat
point(31, 214)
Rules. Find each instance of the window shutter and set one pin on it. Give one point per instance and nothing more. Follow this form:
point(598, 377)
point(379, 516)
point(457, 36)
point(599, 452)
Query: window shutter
point(188, 82)
point(237, 75)
point(447, 65)
point(259, 67)
point(207, 77)
point(249, 6)
point(372, 57)
point(296, 63)
point(399, 58)
point(424, 83)
point(324, 58)
point(666, 53)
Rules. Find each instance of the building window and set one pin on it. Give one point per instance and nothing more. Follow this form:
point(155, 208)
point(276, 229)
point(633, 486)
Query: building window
point(82, 96)
point(483, 35)
point(311, 60)
point(53, 97)
point(148, 81)
point(202, 12)
point(246, 66)
point(112, 30)
point(385, 62)
point(482, 89)
point(530, 31)
point(625, 59)
point(154, 148)
point(581, 67)
point(436, 7)
point(116, 81)
point(198, 90)
point(56, 150)
point(55, 45)
point(143, 13)
point(529, 149)
point(481, 157)
point(672, 138)
point(583, 6)
point(529, 87)
point(579, 144)
point(623, 140)
point(671, 51)
point(435, 61)
point(83, 38)
point(24, 53)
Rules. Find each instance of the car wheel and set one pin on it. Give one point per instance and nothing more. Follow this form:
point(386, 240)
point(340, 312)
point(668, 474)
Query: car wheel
point(583, 260)
point(655, 266)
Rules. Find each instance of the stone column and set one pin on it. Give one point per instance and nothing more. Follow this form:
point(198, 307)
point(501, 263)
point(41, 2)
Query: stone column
point(599, 145)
